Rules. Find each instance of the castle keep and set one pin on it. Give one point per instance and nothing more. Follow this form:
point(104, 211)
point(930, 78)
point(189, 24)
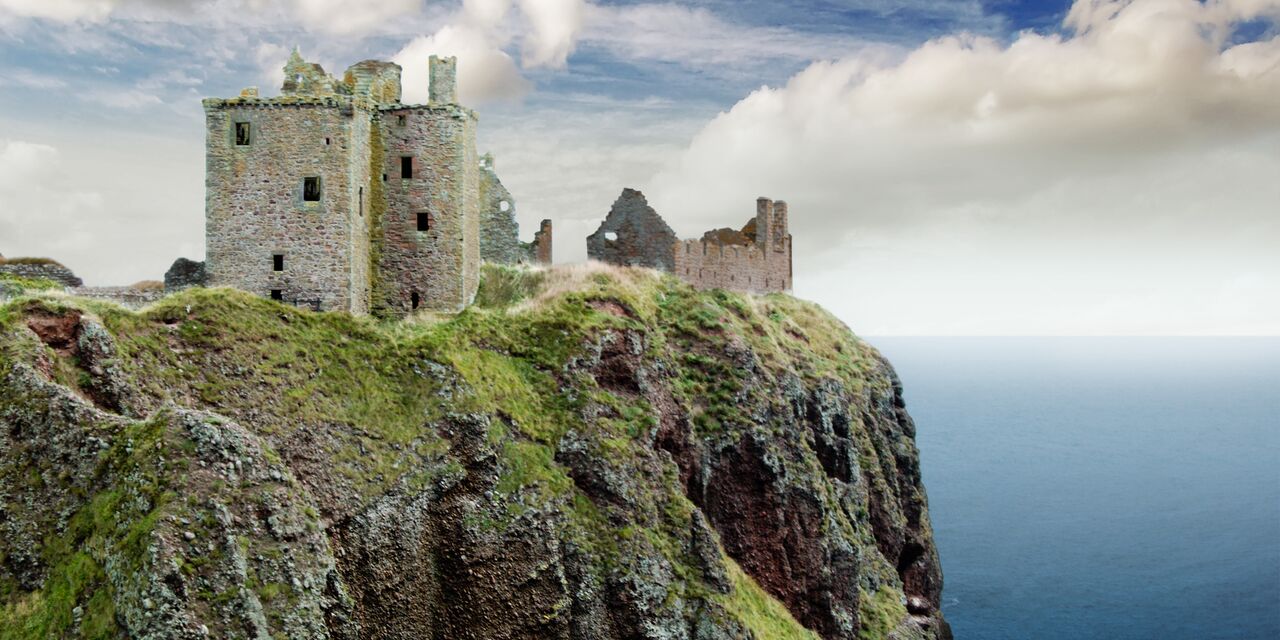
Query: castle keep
point(337, 196)
point(756, 258)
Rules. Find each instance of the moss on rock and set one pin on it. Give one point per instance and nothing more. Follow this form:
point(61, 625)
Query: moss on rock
point(585, 453)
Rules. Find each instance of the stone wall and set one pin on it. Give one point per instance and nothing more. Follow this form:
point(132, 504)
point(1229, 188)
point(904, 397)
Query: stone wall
point(125, 296)
point(361, 238)
point(499, 231)
point(440, 264)
point(48, 271)
point(254, 198)
point(633, 235)
point(756, 259)
point(184, 274)
point(542, 243)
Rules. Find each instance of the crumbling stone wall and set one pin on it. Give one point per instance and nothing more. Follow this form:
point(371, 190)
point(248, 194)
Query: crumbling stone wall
point(633, 235)
point(184, 274)
point(46, 270)
point(756, 259)
point(499, 231)
point(541, 247)
point(131, 297)
point(351, 135)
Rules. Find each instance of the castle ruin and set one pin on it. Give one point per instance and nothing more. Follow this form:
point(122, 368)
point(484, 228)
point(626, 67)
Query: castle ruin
point(756, 258)
point(337, 196)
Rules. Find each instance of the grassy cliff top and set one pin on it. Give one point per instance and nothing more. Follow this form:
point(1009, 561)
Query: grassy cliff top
point(551, 361)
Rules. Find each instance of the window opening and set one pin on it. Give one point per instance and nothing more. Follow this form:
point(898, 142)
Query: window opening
point(277, 294)
point(244, 135)
point(424, 221)
point(311, 189)
point(414, 299)
point(406, 167)
point(277, 262)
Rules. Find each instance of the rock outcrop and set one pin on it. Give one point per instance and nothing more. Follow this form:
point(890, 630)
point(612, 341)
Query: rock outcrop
point(595, 455)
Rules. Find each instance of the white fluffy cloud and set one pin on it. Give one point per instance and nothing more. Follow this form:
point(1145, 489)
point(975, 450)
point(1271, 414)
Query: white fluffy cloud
point(485, 71)
point(64, 10)
point(330, 16)
point(1127, 142)
point(478, 35)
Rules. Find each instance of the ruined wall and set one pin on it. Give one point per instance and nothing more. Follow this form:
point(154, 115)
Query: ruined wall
point(48, 271)
point(439, 264)
point(254, 206)
point(542, 243)
point(183, 274)
point(710, 265)
point(499, 231)
point(131, 297)
point(633, 235)
point(756, 259)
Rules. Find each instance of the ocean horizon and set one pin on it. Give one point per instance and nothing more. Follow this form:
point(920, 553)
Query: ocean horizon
point(1101, 487)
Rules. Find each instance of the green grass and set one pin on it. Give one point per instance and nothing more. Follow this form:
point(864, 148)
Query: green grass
point(880, 613)
point(379, 390)
point(760, 612)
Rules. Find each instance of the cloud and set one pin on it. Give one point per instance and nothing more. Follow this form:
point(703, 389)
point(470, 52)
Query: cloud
point(351, 16)
point(342, 17)
point(37, 210)
point(698, 37)
point(1128, 139)
point(485, 72)
point(555, 28)
point(477, 35)
point(62, 10)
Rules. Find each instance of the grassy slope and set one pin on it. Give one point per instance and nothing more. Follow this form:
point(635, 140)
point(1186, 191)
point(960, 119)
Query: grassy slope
point(230, 352)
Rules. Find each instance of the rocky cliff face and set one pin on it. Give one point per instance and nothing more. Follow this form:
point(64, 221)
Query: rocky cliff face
point(586, 454)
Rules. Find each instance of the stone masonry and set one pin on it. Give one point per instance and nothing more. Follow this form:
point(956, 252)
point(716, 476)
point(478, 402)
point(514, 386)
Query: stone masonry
point(756, 258)
point(499, 232)
point(540, 249)
point(47, 270)
point(500, 236)
point(337, 196)
point(184, 274)
point(633, 235)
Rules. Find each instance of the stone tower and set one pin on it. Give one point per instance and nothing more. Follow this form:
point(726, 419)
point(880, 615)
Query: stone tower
point(337, 196)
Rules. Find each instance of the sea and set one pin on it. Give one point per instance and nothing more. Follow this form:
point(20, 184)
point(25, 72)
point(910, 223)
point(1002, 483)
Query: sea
point(1106, 488)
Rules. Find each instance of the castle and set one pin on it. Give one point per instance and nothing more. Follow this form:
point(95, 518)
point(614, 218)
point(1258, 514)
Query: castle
point(756, 258)
point(337, 196)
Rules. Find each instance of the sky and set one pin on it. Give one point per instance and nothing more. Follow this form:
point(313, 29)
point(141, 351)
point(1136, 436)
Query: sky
point(953, 167)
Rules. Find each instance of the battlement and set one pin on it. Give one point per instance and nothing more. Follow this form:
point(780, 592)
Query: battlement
point(337, 194)
point(755, 258)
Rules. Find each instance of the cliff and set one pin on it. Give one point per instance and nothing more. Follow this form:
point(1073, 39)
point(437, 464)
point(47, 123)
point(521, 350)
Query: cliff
point(586, 453)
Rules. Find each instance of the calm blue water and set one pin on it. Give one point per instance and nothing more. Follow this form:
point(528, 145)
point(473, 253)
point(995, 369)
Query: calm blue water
point(1101, 487)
